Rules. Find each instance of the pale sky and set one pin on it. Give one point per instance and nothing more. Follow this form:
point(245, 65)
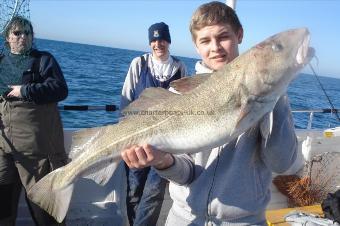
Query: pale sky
point(124, 23)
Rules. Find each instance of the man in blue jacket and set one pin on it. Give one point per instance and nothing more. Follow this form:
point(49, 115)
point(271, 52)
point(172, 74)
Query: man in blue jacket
point(31, 141)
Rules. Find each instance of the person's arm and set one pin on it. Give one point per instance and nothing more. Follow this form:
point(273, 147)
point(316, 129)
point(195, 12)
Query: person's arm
point(52, 87)
point(279, 150)
point(128, 90)
point(181, 172)
point(177, 168)
point(183, 68)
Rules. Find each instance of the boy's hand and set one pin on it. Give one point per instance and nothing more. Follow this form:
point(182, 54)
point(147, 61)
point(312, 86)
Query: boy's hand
point(144, 156)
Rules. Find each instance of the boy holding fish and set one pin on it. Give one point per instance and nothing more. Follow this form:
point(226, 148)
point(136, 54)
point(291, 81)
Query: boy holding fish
point(230, 183)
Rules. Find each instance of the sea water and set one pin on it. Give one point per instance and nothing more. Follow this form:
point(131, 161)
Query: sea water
point(95, 76)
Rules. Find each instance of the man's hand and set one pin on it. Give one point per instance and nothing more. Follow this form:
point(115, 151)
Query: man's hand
point(144, 156)
point(15, 92)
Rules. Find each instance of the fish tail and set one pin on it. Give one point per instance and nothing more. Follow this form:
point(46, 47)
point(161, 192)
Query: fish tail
point(50, 196)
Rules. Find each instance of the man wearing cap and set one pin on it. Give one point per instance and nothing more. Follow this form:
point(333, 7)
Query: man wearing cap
point(145, 189)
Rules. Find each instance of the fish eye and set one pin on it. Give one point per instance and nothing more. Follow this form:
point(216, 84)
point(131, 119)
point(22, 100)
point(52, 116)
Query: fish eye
point(277, 47)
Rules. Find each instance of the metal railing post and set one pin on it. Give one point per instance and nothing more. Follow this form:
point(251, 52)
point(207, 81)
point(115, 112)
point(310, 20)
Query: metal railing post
point(309, 126)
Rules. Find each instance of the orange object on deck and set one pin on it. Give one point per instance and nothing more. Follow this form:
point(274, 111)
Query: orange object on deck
point(276, 217)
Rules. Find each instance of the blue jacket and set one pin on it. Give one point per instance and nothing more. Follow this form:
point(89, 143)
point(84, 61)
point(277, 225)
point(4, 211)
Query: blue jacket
point(43, 81)
point(32, 124)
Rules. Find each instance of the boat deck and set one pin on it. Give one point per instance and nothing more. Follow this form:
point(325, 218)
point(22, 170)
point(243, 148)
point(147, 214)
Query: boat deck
point(95, 205)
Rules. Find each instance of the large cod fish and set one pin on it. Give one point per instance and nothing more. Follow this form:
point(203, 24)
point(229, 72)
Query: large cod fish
point(210, 111)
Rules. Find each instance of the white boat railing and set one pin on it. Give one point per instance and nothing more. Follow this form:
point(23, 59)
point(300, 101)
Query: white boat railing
point(313, 111)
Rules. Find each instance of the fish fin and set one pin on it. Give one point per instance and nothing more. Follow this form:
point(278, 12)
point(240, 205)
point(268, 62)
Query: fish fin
point(240, 103)
point(82, 139)
point(266, 126)
point(149, 97)
point(186, 84)
point(54, 201)
point(102, 171)
point(86, 140)
point(243, 114)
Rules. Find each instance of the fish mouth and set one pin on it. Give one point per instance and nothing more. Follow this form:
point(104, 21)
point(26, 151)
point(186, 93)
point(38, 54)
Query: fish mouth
point(305, 53)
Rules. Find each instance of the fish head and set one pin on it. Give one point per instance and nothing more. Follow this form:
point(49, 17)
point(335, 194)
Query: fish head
point(271, 66)
point(275, 62)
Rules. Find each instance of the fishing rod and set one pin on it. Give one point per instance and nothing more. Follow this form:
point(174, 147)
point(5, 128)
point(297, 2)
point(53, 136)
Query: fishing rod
point(113, 107)
point(87, 107)
point(333, 110)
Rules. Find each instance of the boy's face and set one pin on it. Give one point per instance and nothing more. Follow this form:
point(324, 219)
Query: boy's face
point(160, 49)
point(218, 45)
